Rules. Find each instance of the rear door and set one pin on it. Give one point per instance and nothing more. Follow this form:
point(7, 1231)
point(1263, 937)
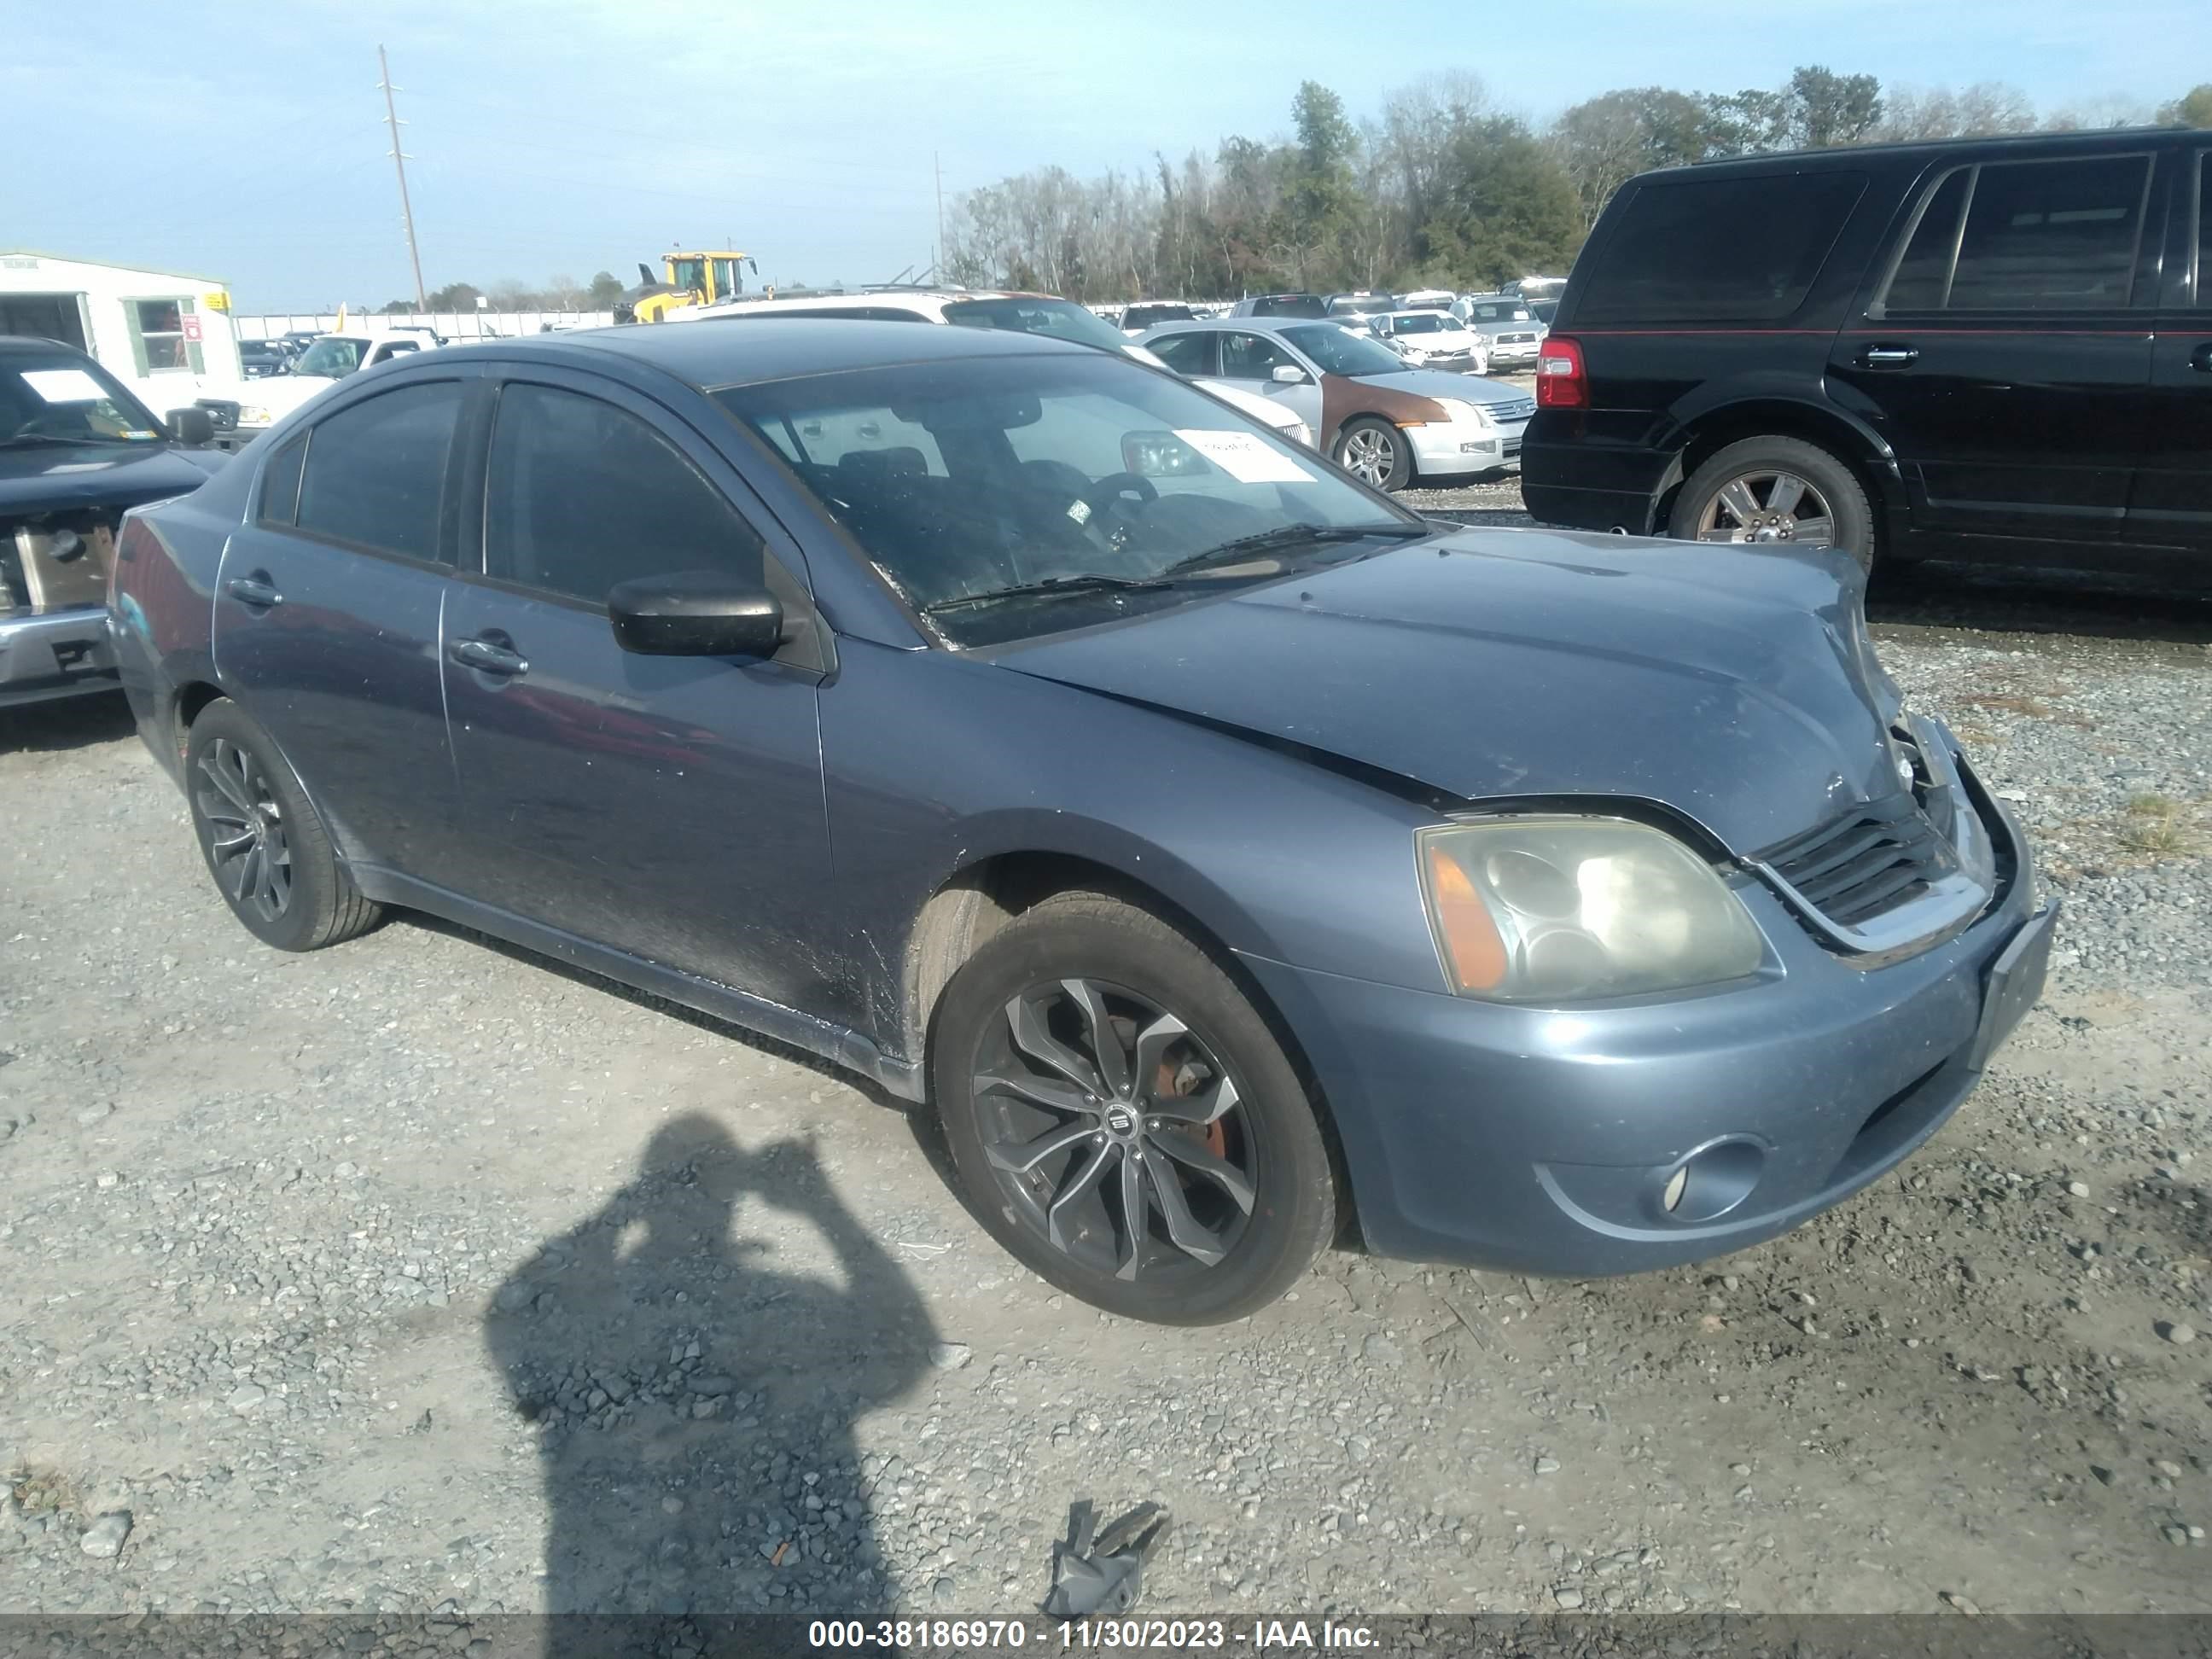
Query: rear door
point(327, 611)
point(2172, 503)
point(671, 807)
point(2005, 349)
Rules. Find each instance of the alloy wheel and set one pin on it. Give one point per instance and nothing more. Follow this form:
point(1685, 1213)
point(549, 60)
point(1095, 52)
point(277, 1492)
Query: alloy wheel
point(1370, 456)
point(1114, 1133)
point(246, 840)
point(1768, 506)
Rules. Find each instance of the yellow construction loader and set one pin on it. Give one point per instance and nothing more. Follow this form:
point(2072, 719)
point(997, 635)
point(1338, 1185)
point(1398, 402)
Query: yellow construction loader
point(694, 277)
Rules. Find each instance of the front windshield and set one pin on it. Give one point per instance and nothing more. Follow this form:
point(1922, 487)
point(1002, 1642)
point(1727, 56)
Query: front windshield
point(333, 358)
point(1098, 489)
point(1421, 322)
point(67, 399)
point(1339, 352)
point(1063, 319)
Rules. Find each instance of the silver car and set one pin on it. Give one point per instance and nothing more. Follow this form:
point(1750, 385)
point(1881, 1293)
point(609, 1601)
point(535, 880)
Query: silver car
point(1370, 411)
point(1509, 329)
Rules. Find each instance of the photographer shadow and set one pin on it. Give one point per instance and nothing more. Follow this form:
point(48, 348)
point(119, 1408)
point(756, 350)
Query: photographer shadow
point(696, 1392)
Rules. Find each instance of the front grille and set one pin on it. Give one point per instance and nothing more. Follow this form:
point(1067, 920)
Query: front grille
point(1510, 410)
point(1517, 339)
point(1512, 446)
point(1869, 861)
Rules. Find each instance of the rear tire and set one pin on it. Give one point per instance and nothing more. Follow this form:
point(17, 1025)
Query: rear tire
point(1776, 493)
point(1375, 452)
point(263, 841)
point(1197, 1122)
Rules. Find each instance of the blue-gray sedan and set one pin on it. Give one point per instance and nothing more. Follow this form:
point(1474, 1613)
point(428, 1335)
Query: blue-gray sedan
point(1219, 849)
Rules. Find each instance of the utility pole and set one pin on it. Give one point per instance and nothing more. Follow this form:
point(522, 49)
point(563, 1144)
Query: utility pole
point(937, 253)
point(399, 161)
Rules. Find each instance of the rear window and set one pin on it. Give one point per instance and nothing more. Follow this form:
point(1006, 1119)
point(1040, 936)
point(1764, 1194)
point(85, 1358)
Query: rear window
point(1290, 305)
point(1153, 316)
point(1718, 250)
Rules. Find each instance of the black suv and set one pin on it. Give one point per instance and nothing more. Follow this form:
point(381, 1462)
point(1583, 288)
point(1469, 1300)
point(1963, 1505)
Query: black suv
point(1993, 349)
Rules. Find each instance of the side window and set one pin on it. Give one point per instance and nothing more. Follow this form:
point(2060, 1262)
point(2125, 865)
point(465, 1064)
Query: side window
point(280, 483)
point(1718, 250)
point(1251, 356)
point(391, 348)
point(2051, 235)
point(1186, 353)
point(376, 469)
point(1922, 281)
point(580, 495)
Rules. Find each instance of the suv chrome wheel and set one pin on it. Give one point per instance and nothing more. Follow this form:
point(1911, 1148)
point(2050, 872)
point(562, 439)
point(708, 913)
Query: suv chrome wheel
point(1100, 1112)
point(1768, 506)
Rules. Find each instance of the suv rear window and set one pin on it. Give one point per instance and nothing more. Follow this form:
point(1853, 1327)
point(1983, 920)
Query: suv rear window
point(2038, 236)
point(1718, 250)
point(1290, 305)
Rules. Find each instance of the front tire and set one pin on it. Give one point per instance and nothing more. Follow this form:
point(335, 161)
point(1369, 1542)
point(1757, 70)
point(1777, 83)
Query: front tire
point(1375, 452)
point(263, 841)
point(1776, 492)
point(1121, 1118)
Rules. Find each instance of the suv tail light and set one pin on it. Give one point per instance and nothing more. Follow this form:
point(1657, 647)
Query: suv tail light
point(1561, 381)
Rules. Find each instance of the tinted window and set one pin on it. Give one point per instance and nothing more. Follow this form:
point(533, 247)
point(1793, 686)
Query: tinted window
point(2051, 235)
point(1060, 319)
point(1251, 356)
point(1290, 305)
point(580, 495)
point(280, 484)
point(1153, 316)
point(1924, 273)
point(1718, 250)
point(1186, 353)
point(376, 469)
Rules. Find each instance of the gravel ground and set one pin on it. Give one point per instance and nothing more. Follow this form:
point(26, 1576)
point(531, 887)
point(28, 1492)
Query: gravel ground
point(422, 1275)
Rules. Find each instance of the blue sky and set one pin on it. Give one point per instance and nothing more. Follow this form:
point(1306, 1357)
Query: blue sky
point(575, 136)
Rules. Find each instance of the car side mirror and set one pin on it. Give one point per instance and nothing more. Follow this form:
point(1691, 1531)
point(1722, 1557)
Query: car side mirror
point(193, 428)
point(1288, 374)
point(695, 613)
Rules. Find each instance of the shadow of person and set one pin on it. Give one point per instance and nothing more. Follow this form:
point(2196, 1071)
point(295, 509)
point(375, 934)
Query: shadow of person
point(695, 1392)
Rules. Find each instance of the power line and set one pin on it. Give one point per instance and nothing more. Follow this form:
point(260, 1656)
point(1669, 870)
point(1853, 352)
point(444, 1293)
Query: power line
point(399, 163)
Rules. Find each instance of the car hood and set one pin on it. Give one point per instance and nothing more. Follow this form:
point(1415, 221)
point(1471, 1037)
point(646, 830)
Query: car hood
point(1502, 665)
point(1445, 383)
point(48, 477)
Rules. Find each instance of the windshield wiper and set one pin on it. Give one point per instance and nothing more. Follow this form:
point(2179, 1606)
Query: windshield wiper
point(1295, 535)
point(1049, 586)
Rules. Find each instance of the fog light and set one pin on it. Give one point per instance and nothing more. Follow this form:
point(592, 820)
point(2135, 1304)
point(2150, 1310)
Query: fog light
point(1677, 1184)
point(1712, 1181)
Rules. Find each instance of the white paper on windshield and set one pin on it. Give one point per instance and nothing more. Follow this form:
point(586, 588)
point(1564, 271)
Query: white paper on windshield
point(1245, 457)
point(64, 385)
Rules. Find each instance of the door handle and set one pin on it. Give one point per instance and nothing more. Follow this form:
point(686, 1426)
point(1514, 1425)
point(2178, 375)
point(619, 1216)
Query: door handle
point(255, 591)
point(488, 657)
point(1888, 356)
point(2201, 359)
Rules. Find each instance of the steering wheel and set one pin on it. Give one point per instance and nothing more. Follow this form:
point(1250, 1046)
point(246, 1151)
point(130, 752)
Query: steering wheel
point(1111, 519)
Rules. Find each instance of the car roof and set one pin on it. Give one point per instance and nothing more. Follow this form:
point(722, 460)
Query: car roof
point(1420, 311)
point(785, 348)
point(2018, 146)
point(13, 344)
point(923, 301)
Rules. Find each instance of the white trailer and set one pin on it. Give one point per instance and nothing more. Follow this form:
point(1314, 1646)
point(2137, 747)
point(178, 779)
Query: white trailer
point(164, 334)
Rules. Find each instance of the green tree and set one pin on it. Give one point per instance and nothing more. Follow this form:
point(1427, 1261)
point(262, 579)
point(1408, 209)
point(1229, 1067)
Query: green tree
point(606, 288)
point(454, 296)
point(2193, 109)
point(1321, 205)
point(1822, 108)
point(1509, 207)
point(1605, 141)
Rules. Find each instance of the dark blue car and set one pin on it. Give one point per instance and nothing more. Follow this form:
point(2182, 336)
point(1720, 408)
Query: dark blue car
point(1229, 857)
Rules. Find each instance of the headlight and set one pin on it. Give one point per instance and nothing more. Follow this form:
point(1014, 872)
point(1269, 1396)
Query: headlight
point(1458, 408)
point(1564, 909)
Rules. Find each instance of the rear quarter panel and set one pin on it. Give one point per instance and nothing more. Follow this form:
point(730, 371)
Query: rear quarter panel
point(161, 607)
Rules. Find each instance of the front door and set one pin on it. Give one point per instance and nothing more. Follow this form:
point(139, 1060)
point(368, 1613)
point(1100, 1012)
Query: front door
point(1248, 362)
point(2172, 503)
point(2005, 356)
point(327, 617)
point(671, 807)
